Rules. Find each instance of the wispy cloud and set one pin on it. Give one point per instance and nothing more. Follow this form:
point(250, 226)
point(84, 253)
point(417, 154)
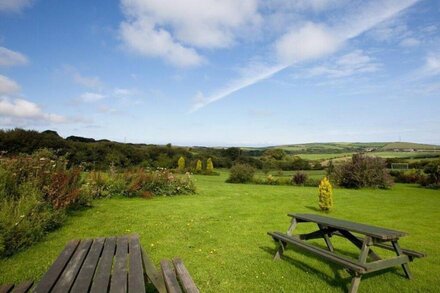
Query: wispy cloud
point(93, 82)
point(11, 58)
point(8, 86)
point(14, 5)
point(23, 109)
point(312, 41)
point(90, 97)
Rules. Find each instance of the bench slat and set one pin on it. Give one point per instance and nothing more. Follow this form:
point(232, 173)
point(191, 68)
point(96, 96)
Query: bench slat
point(337, 259)
point(187, 282)
point(23, 287)
point(69, 274)
point(408, 252)
point(119, 277)
point(136, 282)
point(153, 275)
point(6, 288)
point(104, 268)
point(85, 276)
point(52, 275)
point(170, 277)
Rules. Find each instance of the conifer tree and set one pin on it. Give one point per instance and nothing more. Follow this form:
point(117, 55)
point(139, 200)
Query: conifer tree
point(325, 195)
point(198, 166)
point(209, 166)
point(181, 164)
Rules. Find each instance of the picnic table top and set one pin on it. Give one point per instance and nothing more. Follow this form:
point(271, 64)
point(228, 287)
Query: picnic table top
point(97, 265)
point(373, 231)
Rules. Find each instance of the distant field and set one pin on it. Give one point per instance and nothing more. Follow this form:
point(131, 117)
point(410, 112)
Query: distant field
point(385, 155)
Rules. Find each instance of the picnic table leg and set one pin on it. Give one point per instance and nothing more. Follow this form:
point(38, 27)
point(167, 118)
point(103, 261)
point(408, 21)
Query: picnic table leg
point(353, 239)
point(326, 238)
point(356, 280)
point(280, 250)
point(405, 266)
point(292, 227)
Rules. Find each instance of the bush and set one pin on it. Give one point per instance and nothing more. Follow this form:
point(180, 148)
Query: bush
point(241, 173)
point(198, 166)
point(299, 178)
point(325, 195)
point(209, 166)
point(412, 176)
point(363, 171)
point(35, 192)
point(181, 164)
point(433, 171)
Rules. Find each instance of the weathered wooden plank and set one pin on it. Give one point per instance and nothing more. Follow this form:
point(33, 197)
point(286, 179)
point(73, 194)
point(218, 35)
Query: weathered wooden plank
point(119, 276)
point(405, 265)
point(169, 277)
point(6, 288)
point(386, 263)
point(71, 270)
point(103, 271)
point(187, 282)
point(84, 279)
point(54, 272)
point(23, 287)
point(153, 275)
point(411, 253)
point(136, 282)
point(355, 282)
point(358, 242)
point(374, 231)
point(330, 256)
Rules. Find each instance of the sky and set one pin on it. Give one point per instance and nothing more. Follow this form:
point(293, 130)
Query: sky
point(223, 72)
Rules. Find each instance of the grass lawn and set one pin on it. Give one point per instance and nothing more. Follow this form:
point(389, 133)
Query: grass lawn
point(221, 236)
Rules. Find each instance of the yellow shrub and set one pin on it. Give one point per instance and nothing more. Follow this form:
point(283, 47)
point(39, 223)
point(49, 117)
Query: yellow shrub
point(325, 195)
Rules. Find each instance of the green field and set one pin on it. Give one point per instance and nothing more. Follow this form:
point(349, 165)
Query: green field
point(221, 235)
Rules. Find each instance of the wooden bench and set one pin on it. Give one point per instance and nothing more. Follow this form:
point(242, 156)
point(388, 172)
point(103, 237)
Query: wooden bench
point(20, 288)
point(116, 264)
point(328, 227)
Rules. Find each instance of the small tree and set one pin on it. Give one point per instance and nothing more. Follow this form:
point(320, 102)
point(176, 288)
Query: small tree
point(198, 166)
point(209, 166)
point(325, 195)
point(181, 163)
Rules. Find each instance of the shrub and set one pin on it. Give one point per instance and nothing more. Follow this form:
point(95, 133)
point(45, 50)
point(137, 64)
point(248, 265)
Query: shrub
point(363, 171)
point(35, 192)
point(198, 166)
point(181, 164)
point(412, 176)
point(209, 166)
point(241, 173)
point(299, 178)
point(433, 171)
point(325, 195)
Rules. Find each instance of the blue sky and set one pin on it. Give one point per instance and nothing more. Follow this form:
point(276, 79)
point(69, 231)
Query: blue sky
point(207, 72)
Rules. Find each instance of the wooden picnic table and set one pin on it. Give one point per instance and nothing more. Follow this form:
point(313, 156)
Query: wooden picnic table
point(114, 264)
point(369, 236)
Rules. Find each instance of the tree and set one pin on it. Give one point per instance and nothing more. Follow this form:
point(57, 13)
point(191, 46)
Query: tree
point(198, 166)
point(325, 195)
point(209, 166)
point(181, 163)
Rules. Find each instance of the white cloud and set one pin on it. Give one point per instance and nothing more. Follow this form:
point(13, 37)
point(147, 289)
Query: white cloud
point(352, 63)
point(14, 5)
point(173, 30)
point(313, 41)
point(304, 5)
point(308, 42)
point(122, 92)
point(85, 81)
point(432, 64)
point(8, 86)
point(89, 97)
point(409, 42)
point(11, 58)
point(23, 109)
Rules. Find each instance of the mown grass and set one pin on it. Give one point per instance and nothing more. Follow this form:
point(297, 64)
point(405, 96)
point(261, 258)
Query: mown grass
point(221, 236)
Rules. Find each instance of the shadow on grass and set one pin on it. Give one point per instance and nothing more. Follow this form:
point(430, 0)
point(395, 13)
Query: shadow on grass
point(337, 280)
point(315, 209)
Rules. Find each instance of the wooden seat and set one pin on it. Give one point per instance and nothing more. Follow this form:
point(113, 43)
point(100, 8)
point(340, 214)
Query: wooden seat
point(346, 262)
point(19, 288)
point(177, 279)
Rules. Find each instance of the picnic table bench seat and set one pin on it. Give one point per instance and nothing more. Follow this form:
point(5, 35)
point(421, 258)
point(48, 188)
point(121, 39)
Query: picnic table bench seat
point(373, 236)
point(115, 264)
